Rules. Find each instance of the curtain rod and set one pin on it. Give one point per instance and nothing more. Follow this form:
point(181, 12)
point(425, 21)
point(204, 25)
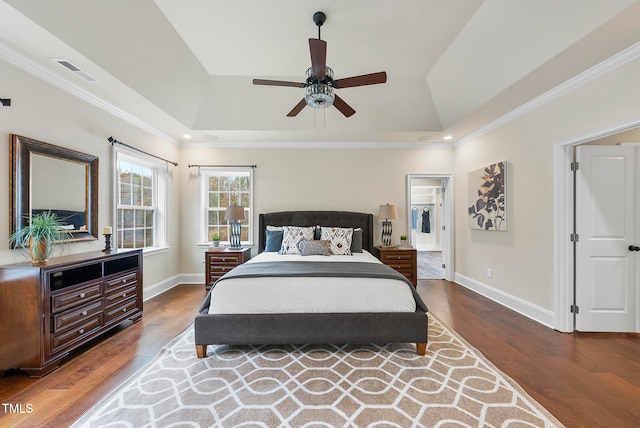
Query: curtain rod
point(114, 141)
point(222, 166)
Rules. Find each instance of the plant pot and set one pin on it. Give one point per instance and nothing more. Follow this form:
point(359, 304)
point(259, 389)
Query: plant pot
point(215, 243)
point(38, 250)
point(403, 242)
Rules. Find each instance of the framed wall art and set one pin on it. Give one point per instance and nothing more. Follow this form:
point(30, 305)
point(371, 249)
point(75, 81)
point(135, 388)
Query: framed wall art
point(488, 197)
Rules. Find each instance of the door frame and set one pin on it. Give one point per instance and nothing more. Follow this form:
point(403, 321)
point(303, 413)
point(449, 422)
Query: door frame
point(563, 224)
point(447, 214)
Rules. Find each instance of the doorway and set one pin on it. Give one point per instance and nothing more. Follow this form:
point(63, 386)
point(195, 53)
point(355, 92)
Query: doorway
point(428, 217)
point(564, 248)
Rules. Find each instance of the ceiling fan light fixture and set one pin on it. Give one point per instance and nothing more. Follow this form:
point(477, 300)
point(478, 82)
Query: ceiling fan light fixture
point(319, 95)
point(319, 92)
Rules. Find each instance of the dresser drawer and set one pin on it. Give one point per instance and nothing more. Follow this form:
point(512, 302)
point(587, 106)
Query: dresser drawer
point(71, 298)
point(75, 334)
point(224, 259)
point(130, 278)
point(118, 295)
point(120, 311)
point(69, 318)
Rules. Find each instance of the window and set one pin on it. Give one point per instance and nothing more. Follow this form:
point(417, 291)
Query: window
point(140, 202)
point(221, 188)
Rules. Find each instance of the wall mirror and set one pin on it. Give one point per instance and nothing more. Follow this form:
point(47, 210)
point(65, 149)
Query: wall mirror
point(45, 177)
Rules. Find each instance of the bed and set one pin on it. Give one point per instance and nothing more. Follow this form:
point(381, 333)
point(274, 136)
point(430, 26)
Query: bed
point(237, 326)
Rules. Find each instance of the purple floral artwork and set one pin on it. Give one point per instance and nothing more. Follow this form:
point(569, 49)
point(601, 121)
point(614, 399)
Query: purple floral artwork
point(487, 197)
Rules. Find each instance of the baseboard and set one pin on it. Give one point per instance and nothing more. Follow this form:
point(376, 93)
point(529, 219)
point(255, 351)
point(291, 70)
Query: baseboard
point(529, 310)
point(167, 284)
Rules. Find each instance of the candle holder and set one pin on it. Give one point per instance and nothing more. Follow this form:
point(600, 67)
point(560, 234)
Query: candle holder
point(107, 243)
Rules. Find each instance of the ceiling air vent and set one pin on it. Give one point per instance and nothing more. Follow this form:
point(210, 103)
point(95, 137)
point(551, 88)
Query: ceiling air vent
point(69, 66)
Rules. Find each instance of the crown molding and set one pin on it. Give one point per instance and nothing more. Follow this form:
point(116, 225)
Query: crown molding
point(313, 145)
point(621, 58)
point(30, 66)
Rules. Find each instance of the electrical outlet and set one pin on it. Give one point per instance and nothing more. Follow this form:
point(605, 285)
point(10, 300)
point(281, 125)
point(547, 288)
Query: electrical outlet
point(489, 273)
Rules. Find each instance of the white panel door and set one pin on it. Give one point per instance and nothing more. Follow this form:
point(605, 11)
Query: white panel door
point(606, 227)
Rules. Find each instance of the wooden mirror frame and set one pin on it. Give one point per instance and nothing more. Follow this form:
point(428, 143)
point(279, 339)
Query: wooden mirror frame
point(20, 182)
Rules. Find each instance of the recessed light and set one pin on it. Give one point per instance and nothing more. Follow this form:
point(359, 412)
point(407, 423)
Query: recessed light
point(448, 137)
point(186, 136)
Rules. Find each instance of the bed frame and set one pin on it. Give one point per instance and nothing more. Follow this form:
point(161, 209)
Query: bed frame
point(316, 328)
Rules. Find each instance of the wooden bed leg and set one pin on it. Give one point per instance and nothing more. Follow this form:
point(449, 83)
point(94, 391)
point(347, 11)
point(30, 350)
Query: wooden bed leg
point(421, 348)
point(201, 351)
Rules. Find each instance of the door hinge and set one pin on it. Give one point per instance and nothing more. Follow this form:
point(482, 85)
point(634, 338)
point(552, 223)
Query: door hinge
point(575, 166)
point(443, 265)
point(575, 309)
point(574, 237)
point(443, 227)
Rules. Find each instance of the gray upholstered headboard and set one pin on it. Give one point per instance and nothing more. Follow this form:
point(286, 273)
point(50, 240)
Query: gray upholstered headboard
point(317, 218)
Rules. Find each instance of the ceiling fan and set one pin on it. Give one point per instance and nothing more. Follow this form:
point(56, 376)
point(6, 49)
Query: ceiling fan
point(319, 85)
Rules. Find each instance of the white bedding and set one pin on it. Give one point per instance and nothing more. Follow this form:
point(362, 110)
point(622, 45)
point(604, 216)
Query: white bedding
point(311, 294)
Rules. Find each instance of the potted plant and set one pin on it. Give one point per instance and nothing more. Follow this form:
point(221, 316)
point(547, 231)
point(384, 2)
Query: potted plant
point(403, 240)
point(40, 238)
point(215, 240)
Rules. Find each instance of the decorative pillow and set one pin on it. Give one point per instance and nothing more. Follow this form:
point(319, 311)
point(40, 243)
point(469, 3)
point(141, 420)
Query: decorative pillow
point(340, 238)
point(274, 240)
point(315, 248)
point(291, 237)
point(356, 241)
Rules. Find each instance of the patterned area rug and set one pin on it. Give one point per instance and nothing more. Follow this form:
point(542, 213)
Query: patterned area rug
point(320, 386)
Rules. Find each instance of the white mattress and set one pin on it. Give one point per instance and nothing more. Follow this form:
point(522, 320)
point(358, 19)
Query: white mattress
point(265, 295)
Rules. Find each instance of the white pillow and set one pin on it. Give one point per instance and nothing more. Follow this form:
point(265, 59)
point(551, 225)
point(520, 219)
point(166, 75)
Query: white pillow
point(291, 237)
point(340, 238)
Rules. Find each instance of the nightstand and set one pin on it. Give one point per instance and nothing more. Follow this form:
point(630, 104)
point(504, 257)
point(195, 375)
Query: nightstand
point(404, 261)
point(219, 261)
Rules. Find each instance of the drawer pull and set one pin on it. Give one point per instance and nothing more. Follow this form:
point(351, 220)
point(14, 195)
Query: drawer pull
point(124, 309)
point(82, 295)
point(124, 280)
point(84, 313)
point(81, 331)
point(124, 295)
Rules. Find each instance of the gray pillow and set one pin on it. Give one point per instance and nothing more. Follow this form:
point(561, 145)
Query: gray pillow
point(315, 247)
point(356, 241)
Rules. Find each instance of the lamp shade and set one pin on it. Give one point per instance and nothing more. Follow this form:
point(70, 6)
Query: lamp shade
point(388, 211)
point(234, 213)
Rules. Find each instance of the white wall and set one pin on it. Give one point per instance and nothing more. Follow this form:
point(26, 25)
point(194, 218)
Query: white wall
point(46, 113)
point(522, 259)
point(313, 179)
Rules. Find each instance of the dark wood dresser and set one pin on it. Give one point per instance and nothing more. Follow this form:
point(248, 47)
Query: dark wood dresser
point(49, 309)
point(404, 261)
point(219, 261)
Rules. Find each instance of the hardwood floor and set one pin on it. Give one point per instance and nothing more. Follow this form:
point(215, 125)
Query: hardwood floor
point(430, 265)
point(583, 379)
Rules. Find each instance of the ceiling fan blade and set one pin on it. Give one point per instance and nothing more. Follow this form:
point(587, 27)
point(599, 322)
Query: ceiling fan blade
point(318, 49)
point(277, 83)
point(297, 109)
point(365, 79)
point(343, 107)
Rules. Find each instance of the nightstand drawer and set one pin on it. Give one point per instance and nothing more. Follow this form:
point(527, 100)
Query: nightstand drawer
point(225, 259)
point(396, 256)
